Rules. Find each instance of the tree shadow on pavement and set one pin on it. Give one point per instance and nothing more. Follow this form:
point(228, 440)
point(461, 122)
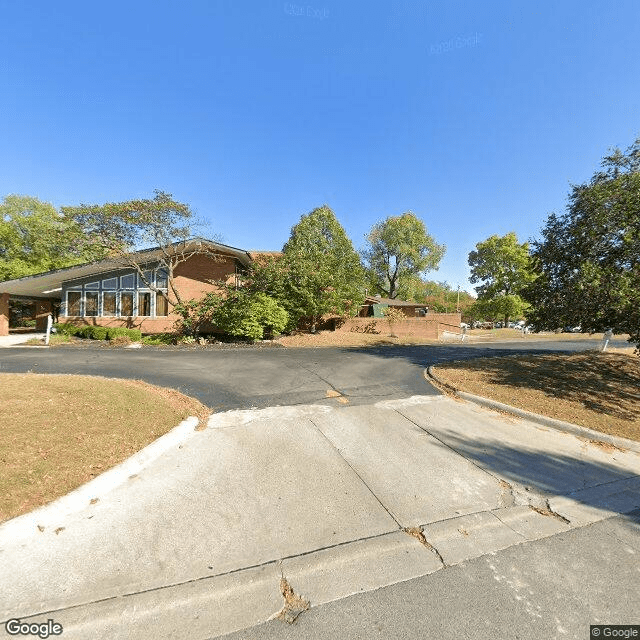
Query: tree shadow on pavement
point(553, 474)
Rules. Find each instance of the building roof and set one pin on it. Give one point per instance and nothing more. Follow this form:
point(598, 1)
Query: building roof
point(49, 284)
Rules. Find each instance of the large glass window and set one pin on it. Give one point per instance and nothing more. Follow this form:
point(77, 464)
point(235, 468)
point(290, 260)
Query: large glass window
point(148, 276)
point(109, 303)
point(123, 296)
point(73, 303)
point(161, 279)
point(144, 303)
point(91, 304)
point(126, 282)
point(126, 303)
point(162, 308)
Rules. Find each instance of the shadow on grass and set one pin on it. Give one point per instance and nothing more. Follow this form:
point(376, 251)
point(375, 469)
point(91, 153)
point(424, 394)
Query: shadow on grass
point(607, 383)
point(603, 383)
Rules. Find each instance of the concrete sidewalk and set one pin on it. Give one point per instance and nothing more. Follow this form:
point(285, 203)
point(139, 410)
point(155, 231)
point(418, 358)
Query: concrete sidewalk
point(18, 338)
point(332, 500)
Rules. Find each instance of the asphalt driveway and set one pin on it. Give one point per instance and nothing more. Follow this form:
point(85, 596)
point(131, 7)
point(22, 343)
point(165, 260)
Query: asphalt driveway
point(243, 378)
point(380, 482)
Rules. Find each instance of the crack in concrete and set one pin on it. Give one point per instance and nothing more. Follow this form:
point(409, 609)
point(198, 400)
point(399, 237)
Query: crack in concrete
point(549, 512)
point(294, 604)
point(507, 498)
point(418, 534)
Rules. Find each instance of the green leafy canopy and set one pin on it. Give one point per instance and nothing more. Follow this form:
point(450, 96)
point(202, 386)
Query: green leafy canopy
point(503, 267)
point(35, 237)
point(588, 260)
point(398, 249)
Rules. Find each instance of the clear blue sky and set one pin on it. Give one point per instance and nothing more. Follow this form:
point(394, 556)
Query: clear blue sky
point(476, 116)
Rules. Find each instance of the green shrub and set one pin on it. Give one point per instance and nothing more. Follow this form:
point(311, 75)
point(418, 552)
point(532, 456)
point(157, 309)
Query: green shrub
point(251, 316)
point(133, 334)
point(66, 328)
point(159, 338)
point(98, 333)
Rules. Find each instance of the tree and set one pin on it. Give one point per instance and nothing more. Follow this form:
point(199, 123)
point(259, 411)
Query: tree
point(35, 237)
point(588, 260)
point(319, 272)
point(398, 249)
point(503, 267)
point(121, 229)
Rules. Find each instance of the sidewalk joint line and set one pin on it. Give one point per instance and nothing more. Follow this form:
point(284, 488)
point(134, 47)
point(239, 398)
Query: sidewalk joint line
point(333, 446)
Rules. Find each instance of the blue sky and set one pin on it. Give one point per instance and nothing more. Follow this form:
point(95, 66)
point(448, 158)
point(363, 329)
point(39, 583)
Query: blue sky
point(475, 116)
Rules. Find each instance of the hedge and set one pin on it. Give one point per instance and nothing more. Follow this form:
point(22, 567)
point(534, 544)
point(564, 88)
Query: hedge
point(98, 333)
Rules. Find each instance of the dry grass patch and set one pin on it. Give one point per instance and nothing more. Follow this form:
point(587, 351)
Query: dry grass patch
point(600, 391)
point(60, 431)
point(347, 339)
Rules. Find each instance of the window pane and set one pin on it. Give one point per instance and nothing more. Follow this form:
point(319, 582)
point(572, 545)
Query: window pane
point(91, 304)
point(109, 304)
point(126, 304)
point(149, 279)
point(92, 285)
point(161, 279)
point(144, 304)
point(73, 303)
point(162, 307)
point(110, 283)
point(126, 282)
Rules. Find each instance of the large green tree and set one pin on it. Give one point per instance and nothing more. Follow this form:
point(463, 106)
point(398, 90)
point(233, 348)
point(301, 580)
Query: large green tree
point(320, 272)
point(588, 260)
point(36, 237)
point(502, 266)
point(399, 249)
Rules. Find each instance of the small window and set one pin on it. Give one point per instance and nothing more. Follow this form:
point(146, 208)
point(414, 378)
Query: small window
point(73, 303)
point(110, 283)
point(126, 304)
point(162, 307)
point(92, 285)
point(109, 304)
point(126, 282)
point(144, 303)
point(91, 304)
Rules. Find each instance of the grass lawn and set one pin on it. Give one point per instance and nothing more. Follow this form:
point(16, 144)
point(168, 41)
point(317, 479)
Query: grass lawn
point(600, 391)
point(59, 431)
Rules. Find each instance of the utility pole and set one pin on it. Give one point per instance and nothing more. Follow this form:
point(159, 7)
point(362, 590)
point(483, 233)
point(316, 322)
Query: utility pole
point(458, 307)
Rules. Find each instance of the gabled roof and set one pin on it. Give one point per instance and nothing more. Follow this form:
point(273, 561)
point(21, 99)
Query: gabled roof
point(49, 284)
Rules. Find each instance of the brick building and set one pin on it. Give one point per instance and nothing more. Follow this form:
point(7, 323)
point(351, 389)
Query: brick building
point(112, 293)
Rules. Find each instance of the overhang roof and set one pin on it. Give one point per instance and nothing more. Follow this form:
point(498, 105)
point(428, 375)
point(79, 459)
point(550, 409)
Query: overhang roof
point(49, 284)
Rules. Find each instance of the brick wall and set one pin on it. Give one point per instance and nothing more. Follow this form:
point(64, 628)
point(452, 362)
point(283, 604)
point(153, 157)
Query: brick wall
point(430, 326)
point(4, 314)
point(191, 280)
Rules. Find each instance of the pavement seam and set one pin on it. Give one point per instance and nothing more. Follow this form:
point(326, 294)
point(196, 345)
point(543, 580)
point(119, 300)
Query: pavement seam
point(448, 446)
point(333, 446)
point(231, 572)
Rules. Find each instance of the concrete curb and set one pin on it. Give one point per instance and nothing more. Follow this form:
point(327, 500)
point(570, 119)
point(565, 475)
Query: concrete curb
point(558, 425)
point(50, 514)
